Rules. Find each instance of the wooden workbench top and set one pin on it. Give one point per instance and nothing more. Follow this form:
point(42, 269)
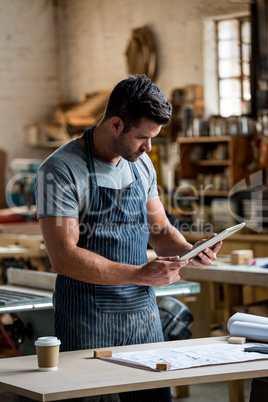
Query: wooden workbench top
point(81, 375)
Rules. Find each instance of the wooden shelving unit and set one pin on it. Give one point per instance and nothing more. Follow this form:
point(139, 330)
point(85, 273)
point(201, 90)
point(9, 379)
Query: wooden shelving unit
point(225, 158)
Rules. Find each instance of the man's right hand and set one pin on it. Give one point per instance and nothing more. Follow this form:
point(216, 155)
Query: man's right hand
point(160, 272)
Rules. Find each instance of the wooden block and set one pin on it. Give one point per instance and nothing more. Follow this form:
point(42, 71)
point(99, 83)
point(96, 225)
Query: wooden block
point(165, 366)
point(103, 353)
point(237, 339)
point(241, 257)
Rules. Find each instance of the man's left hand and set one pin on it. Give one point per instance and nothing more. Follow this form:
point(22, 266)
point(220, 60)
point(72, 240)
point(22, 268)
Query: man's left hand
point(207, 256)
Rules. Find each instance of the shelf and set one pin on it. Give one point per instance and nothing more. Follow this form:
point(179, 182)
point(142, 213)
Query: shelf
point(213, 193)
point(191, 140)
point(206, 193)
point(213, 162)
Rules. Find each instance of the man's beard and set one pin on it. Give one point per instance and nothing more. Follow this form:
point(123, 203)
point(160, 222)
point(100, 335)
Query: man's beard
point(121, 149)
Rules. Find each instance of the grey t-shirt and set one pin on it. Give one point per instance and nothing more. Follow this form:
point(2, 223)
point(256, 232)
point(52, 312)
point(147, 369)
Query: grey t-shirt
point(62, 181)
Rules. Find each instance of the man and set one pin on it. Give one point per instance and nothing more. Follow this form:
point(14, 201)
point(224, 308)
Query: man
point(98, 208)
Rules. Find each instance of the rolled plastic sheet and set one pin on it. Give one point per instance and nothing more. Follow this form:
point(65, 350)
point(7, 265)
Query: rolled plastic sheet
point(251, 326)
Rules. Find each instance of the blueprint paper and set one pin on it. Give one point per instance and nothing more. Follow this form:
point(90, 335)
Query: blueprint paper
point(188, 357)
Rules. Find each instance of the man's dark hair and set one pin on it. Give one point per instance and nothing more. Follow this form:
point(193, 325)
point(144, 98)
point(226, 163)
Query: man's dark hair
point(137, 97)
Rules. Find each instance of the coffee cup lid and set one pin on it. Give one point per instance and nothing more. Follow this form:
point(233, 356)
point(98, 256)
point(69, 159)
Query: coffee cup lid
point(47, 341)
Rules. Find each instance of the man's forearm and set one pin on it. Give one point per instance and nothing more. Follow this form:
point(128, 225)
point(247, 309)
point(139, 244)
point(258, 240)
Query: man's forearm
point(86, 266)
point(83, 265)
point(168, 242)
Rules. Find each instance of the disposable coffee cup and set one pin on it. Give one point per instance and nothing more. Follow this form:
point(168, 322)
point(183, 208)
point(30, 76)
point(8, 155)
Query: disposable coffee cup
point(47, 349)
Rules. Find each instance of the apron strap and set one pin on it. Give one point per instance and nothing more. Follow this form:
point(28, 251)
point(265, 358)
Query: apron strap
point(135, 170)
point(88, 137)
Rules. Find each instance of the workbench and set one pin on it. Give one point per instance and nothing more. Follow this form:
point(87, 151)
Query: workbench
point(249, 274)
point(24, 250)
point(257, 242)
point(223, 288)
point(81, 375)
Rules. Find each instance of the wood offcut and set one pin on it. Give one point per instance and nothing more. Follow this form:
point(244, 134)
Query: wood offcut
point(103, 353)
point(164, 366)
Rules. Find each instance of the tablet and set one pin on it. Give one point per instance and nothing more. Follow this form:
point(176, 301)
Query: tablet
point(222, 235)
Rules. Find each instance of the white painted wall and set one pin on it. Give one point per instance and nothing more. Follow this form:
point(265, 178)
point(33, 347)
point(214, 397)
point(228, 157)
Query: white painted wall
point(44, 60)
point(28, 71)
point(95, 34)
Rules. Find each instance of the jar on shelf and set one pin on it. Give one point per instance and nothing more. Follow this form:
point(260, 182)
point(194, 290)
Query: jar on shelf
point(263, 121)
point(246, 125)
point(233, 125)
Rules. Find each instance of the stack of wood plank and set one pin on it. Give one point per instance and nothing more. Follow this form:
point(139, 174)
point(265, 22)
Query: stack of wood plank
point(89, 111)
point(69, 120)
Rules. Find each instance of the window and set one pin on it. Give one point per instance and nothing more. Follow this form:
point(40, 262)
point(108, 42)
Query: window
point(233, 65)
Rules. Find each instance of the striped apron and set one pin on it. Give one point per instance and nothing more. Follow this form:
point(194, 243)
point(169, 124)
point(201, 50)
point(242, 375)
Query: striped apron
point(89, 316)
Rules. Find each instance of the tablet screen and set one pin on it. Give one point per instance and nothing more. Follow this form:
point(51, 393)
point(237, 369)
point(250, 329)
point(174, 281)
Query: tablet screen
point(210, 242)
